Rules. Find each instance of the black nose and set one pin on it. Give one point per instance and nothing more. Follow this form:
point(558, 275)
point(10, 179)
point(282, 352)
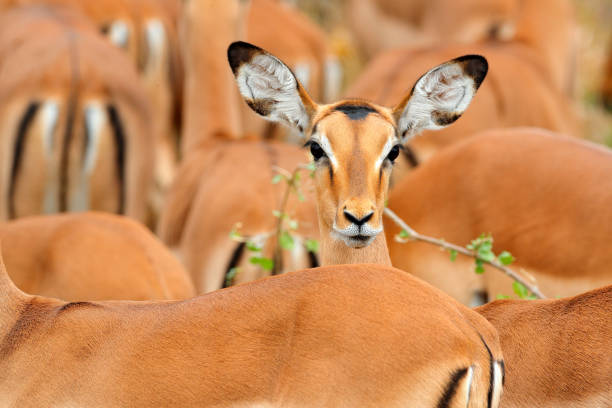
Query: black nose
point(355, 220)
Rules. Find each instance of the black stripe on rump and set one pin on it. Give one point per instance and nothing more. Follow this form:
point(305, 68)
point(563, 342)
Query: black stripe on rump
point(451, 388)
point(22, 129)
point(234, 260)
point(119, 136)
point(491, 373)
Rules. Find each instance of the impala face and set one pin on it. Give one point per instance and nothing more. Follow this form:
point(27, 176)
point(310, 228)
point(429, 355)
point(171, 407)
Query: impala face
point(353, 145)
point(353, 142)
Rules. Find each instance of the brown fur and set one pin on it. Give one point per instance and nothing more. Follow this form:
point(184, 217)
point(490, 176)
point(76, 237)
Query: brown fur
point(74, 67)
point(91, 256)
point(160, 69)
point(546, 26)
point(235, 175)
point(558, 353)
point(542, 196)
point(517, 92)
point(189, 352)
point(224, 185)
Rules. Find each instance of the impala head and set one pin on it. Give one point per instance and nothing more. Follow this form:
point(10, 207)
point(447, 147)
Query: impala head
point(353, 142)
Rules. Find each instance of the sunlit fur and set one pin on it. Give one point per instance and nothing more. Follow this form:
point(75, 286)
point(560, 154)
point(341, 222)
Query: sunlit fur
point(354, 179)
point(535, 210)
point(557, 352)
point(91, 256)
point(89, 145)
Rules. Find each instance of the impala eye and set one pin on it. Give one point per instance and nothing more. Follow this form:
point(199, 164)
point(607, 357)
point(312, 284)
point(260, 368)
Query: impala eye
point(393, 153)
point(316, 151)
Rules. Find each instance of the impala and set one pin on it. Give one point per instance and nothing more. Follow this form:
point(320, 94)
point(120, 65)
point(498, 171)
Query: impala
point(343, 335)
point(74, 130)
point(558, 353)
point(148, 34)
point(542, 196)
point(91, 256)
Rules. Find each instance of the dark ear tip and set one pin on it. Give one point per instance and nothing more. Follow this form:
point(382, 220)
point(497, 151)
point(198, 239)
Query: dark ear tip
point(475, 66)
point(240, 52)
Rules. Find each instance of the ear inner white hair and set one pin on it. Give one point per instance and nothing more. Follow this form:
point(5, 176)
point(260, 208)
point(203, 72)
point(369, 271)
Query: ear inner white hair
point(271, 89)
point(441, 95)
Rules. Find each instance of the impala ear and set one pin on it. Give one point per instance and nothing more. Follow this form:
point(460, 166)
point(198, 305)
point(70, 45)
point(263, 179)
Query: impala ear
point(269, 87)
point(440, 96)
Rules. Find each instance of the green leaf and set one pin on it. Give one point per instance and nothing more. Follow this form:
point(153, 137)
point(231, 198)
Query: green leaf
point(520, 290)
point(264, 263)
point(485, 254)
point(501, 297)
point(253, 247)
point(404, 234)
point(231, 275)
point(453, 255)
point(479, 267)
point(293, 224)
point(312, 245)
point(286, 241)
point(277, 178)
point(235, 235)
point(296, 176)
point(506, 258)
point(277, 214)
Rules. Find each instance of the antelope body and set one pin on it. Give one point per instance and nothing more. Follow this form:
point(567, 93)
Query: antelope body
point(71, 104)
point(147, 32)
point(557, 353)
point(542, 196)
point(91, 256)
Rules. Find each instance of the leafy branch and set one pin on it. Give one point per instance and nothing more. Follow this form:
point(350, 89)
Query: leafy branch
point(481, 249)
point(283, 230)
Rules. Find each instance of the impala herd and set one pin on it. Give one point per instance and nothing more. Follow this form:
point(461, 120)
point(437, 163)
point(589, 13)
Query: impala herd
point(176, 115)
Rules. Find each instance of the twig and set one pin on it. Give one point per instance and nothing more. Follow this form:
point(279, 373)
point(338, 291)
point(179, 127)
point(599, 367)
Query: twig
point(413, 235)
point(290, 178)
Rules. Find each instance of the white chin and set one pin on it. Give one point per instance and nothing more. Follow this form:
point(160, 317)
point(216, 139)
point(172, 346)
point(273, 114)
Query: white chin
point(357, 243)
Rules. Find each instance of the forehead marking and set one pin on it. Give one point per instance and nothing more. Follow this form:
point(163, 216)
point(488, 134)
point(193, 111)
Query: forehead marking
point(355, 112)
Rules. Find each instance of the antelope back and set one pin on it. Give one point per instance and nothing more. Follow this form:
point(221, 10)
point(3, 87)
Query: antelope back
point(52, 256)
point(510, 183)
point(79, 112)
point(573, 335)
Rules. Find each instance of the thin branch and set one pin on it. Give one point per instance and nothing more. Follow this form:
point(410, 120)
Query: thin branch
point(413, 235)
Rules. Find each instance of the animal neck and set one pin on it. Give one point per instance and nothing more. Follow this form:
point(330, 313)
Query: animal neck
point(335, 251)
point(212, 104)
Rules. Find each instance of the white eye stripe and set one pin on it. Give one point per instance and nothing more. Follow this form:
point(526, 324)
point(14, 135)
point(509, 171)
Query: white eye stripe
point(385, 151)
point(322, 140)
